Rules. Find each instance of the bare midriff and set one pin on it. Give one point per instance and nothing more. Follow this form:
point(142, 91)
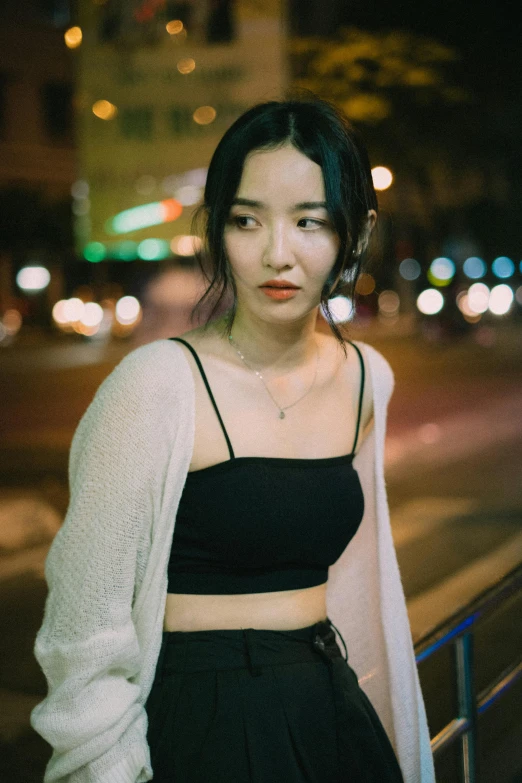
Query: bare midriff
point(284, 610)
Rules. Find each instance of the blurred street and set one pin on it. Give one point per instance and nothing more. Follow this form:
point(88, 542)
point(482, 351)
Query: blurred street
point(453, 456)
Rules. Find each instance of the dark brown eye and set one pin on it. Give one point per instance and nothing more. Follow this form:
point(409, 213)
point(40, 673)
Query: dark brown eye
point(240, 220)
point(311, 220)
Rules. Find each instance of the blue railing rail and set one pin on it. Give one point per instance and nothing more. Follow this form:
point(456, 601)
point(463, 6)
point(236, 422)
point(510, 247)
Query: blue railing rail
point(458, 630)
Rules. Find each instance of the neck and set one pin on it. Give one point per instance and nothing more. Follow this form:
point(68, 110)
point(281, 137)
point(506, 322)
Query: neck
point(279, 347)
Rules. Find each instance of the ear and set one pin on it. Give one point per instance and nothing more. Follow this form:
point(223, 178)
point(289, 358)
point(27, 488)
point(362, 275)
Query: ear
point(366, 231)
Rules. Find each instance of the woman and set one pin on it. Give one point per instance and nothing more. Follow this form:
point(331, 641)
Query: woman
point(218, 526)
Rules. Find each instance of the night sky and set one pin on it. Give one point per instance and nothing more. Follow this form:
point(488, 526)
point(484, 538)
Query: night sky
point(488, 34)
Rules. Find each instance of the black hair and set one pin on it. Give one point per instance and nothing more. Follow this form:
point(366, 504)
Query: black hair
point(323, 133)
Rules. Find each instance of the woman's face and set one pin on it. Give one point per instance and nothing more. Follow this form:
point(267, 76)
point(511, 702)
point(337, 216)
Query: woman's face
point(278, 228)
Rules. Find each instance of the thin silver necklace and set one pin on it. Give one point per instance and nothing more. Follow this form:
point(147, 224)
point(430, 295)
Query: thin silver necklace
point(281, 410)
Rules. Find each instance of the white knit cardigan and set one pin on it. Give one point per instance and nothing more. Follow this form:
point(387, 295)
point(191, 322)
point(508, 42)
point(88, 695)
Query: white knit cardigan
point(106, 572)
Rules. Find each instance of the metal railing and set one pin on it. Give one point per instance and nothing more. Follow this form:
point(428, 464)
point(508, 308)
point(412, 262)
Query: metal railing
point(458, 630)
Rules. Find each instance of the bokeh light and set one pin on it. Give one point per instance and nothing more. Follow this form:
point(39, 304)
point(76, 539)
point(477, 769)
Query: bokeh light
point(33, 278)
point(105, 110)
point(186, 65)
point(185, 245)
point(382, 178)
point(389, 303)
point(474, 268)
point(341, 308)
point(500, 299)
point(503, 267)
point(189, 195)
point(204, 115)
point(59, 312)
point(92, 314)
point(174, 27)
point(430, 301)
point(145, 216)
point(80, 189)
point(94, 252)
point(73, 37)
point(467, 312)
point(127, 309)
point(73, 309)
point(125, 251)
point(441, 271)
point(11, 321)
point(365, 284)
point(153, 249)
point(478, 297)
point(409, 269)
point(81, 206)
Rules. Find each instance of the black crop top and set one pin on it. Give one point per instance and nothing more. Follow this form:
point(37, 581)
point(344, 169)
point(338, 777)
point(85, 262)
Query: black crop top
point(263, 524)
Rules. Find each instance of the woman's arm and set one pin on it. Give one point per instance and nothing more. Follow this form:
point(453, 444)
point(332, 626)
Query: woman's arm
point(87, 645)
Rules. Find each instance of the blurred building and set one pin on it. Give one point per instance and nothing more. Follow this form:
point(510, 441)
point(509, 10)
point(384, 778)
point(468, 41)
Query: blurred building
point(36, 89)
point(112, 106)
point(159, 82)
point(37, 146)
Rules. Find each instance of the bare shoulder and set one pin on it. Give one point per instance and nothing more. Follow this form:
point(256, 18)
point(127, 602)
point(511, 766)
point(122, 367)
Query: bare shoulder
point(367, 412)
point(207, 341)
point(352, 380)
point(380, 378)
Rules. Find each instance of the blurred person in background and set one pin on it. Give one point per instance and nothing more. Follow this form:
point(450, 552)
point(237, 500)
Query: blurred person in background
point(228, 513)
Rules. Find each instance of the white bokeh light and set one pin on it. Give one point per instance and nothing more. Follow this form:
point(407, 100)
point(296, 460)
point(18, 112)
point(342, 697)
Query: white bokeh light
point(430, 301)
point(478, 297)
point(92, 314)
point(33, 278)
point(127, 309)
point(73, 309)
point(442, 268)
point(341, 308)
point(500, 299)
point(382, 178)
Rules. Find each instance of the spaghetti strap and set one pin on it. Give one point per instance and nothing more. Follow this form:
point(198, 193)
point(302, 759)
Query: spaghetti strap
point(360, 395)
point(196, 357)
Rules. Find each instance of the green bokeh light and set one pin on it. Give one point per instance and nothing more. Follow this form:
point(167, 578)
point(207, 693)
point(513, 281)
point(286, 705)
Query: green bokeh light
point(126, 251)
point(153, 249)
point(94, 252)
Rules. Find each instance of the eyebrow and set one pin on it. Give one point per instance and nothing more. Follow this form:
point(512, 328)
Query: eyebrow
point(246, 202)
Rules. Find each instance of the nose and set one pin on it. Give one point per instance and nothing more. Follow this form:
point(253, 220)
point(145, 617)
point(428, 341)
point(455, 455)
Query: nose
point(278, 253)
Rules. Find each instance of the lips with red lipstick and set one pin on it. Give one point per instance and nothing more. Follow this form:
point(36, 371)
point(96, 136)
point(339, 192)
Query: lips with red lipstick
point(279, 289)
point(285, 284)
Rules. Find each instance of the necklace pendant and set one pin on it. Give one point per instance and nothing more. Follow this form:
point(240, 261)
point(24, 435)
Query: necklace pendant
point(282, 415)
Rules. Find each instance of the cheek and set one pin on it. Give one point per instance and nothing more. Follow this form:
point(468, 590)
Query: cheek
point(240, 254)
point(320, 251)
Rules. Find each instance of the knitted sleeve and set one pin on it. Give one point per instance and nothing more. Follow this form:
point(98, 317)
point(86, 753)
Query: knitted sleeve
point(87, 645)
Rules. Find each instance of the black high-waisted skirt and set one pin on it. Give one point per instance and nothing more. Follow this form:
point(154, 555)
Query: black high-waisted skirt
point(258, 706)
